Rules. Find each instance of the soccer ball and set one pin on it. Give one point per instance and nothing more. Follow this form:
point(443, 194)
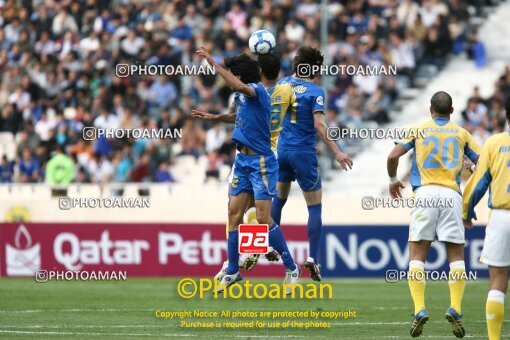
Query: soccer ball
point(261, 42)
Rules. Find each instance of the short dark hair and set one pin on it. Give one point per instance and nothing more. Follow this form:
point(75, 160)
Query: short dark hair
point(245, 67)
point(269, 65)
point(441, 103)
point(309, 56)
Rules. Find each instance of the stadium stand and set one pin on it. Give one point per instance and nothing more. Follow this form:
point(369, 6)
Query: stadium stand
point(58, 61)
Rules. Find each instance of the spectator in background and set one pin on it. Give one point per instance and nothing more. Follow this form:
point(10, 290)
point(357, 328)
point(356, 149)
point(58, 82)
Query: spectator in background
point(142, 172)
point(215, 137)
point(162, 93)
point(192, 138)
point(475, 113)
point(481, 134)
point(44, 127)
point(11, 119)
point(60, 169)
point(6, 170)
point(477, 51)
point(63, 22)
point(132, 44)
point(29, 169)
point(407, 13)
point(435, 49)
point(402, 55)
point(294, 31)
point(163, 175)
point(376, 107)
point(237, 17)
point(428, 13)
point(106, 120)
point(354, 105)
point(213, 166)
point(101, 169)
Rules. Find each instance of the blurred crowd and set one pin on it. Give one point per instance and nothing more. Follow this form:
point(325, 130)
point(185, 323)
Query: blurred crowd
point(58, 61)
point(484, 117)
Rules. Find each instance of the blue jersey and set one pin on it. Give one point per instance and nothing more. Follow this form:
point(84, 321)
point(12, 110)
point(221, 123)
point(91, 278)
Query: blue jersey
point(253, 120)
point(298, 130)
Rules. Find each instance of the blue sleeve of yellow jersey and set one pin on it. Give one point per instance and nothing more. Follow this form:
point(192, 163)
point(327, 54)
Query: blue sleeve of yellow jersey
point(407, 145)
point(477, 184)
point(472, 149)
point(409, 142)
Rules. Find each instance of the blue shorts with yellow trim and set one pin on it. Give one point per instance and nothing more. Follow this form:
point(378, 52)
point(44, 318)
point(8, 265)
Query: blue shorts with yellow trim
point(255, 174)
point(300, 165)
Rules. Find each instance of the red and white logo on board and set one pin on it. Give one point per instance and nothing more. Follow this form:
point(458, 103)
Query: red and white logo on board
point(253, 238)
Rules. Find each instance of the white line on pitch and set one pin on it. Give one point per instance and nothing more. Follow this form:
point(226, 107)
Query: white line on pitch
point(139, 334)
point(76, 310)
point(95, 333)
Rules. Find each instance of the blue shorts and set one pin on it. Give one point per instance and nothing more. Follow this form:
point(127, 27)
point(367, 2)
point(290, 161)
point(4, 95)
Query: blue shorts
point(300, 165)
point(255, 174)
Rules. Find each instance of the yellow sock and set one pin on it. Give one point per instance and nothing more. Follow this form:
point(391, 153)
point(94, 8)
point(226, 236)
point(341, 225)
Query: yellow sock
point(457, 283)
point(417, 284)
point(495, 310)
point(250, 216)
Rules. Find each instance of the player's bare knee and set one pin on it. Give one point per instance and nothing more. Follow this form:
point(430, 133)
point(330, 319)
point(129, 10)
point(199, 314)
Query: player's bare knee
point(263, 216)
point(235, 217)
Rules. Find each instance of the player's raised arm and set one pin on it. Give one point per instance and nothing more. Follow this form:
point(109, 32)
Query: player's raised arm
point(319, 120)
point(392, 165)
point(234, 82)
point(229, 118)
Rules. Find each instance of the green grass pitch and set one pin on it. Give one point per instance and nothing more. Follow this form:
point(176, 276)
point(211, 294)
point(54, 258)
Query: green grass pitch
point(105, 310)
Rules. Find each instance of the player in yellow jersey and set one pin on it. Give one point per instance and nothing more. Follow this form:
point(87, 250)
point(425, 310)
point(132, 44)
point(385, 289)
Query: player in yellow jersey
point(493, 172)
point(282, 98)
point(439, 149)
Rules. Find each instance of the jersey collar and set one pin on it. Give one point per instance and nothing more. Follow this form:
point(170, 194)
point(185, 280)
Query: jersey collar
point(441, 121)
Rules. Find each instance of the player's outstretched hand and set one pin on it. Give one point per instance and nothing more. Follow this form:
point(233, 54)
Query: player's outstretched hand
point(202, 115)
point(395, 189)
point(344, 161)
point(203, 52)
point(468, 224)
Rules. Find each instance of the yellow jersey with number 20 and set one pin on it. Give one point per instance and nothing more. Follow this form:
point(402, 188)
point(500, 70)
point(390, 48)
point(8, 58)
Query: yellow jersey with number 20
point(439, 149)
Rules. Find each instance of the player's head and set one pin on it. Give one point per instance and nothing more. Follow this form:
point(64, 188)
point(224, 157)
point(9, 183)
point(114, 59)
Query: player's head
point(310, 56)
point(244, 67)
point(441, 104)
point(269, 65)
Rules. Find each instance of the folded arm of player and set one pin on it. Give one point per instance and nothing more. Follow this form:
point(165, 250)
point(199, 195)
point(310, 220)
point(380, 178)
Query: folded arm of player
point(392, 166)
point(321, 126)
point(235, 83)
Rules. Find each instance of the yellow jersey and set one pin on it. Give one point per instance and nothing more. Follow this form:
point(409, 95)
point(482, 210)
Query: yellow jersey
point(282, 98)
point(439, 149)
point(493, 172)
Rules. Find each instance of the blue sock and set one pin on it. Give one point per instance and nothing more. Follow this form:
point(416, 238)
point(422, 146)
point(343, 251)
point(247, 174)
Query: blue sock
point(276, 209)
point(314, 229)
point(277, 241)
point(233, 252)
